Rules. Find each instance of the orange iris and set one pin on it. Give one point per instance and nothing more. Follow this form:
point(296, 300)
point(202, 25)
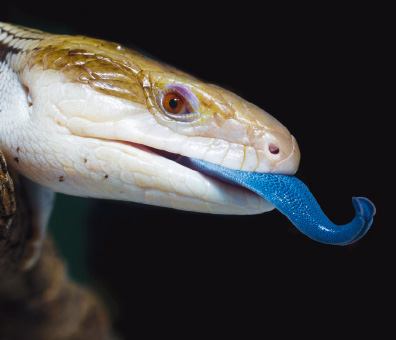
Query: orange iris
point(174, 104)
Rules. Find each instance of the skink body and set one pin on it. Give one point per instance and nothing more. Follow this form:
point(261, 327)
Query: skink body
point(92, 118)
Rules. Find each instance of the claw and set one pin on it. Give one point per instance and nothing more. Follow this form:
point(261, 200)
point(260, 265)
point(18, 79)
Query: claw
point(293, 198)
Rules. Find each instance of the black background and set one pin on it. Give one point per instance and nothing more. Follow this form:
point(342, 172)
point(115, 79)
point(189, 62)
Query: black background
point(324, 72)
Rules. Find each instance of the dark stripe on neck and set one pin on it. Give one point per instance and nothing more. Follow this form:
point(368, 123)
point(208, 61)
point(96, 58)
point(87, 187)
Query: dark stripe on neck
point(6, 50)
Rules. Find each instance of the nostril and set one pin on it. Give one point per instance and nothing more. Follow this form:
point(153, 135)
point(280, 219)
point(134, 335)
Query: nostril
point(273, 149)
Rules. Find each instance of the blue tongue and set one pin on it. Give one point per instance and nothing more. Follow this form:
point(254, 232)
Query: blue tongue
point(293, 199)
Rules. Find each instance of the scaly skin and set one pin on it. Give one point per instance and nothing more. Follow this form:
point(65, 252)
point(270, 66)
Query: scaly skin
point(85, 117)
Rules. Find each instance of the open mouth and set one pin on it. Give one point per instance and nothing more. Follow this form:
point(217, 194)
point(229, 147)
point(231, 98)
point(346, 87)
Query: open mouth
point(166, 154)
point(187, 163)
point(174, 157)
point(170, 179)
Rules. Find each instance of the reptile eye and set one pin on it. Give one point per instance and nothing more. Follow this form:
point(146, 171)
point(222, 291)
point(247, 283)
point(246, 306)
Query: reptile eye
point(179, 103)
point(174, 104)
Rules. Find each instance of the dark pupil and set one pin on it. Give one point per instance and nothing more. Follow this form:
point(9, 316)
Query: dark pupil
point(173, 103)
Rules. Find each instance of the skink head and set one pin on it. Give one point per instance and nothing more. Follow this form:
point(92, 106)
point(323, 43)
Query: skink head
point(114, 122)
point(243, 136)
point(201, 120)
